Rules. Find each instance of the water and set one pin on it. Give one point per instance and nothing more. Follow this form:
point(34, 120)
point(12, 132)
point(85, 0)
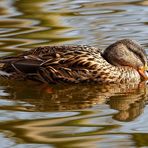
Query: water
point(71, 116)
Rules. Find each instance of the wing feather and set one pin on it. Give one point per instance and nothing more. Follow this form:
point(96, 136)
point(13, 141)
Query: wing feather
point(54, 63)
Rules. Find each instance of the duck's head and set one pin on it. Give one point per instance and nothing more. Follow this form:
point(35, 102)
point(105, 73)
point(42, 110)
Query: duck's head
point(127, 52)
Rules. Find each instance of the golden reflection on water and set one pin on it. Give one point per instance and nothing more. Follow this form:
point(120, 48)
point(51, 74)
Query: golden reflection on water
point(73, 130)
point(51, 25)
point(31, 28)
point(129, 100)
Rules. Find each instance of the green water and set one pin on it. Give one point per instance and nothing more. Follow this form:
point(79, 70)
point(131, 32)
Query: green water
point(71, 116)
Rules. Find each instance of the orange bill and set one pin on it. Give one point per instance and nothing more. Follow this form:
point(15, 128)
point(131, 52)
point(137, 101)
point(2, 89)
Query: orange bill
point(143, 71)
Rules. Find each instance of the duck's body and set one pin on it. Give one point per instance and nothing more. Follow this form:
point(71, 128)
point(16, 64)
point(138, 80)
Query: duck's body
point(55, 64)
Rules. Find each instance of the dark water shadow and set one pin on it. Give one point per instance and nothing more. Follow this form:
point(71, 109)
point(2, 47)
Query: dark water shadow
point(128, 99)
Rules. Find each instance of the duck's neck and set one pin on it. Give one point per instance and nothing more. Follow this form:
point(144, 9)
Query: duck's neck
point(118, 74)
point(128, 74)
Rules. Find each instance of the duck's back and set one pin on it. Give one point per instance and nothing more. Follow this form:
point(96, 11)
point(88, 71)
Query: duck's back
point(54, 64)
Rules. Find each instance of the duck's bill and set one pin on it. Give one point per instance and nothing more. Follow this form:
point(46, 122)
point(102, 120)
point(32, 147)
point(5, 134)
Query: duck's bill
point(144, 72)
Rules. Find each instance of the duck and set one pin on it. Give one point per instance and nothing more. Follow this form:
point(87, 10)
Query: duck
point(124, 61)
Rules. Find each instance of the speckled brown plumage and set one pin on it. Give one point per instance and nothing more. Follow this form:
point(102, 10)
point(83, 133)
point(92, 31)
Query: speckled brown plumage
point(71, 64)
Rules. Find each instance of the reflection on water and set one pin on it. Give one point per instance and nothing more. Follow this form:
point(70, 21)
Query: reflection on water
point(83, 115)
point(83, 120)
point(45, 98)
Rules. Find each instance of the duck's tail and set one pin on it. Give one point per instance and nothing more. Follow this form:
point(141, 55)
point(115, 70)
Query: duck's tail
point(3, 63)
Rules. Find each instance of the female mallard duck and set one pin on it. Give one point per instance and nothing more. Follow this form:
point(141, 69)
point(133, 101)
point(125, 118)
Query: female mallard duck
point(122, 62)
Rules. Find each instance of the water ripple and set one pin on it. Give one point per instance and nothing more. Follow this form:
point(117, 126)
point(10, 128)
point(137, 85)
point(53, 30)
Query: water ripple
point(35, 115)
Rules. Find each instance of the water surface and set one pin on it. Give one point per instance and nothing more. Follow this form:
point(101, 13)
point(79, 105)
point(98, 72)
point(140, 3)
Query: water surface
point(69, 116)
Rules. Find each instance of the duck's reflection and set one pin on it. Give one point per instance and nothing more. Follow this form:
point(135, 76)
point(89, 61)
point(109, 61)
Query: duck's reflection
point(129, 99)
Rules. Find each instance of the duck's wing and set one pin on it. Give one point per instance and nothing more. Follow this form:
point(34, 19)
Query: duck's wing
point(54, 63)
